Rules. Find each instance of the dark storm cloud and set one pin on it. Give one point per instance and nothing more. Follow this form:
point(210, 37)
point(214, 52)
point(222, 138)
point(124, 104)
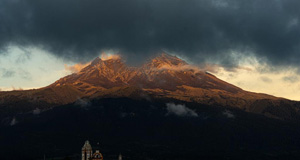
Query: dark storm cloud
point(197, 29)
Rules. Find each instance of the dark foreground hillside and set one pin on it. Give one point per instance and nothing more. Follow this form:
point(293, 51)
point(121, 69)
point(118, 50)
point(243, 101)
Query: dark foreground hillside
point(144, 130)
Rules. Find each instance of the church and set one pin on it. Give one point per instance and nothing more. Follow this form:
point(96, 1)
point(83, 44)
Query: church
point(87, 153)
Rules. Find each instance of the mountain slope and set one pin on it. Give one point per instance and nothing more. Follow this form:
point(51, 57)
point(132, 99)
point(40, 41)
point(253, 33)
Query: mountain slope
point(143, 130)
point(163, 77)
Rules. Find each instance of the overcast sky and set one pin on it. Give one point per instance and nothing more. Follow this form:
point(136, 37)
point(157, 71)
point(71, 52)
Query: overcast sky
point(255, 43)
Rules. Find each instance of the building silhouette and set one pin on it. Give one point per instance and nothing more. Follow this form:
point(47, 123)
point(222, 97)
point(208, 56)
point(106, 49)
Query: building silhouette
point(87, 152)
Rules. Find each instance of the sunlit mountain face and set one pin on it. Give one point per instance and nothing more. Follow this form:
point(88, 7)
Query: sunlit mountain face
point(163, 72)
point(162, 77)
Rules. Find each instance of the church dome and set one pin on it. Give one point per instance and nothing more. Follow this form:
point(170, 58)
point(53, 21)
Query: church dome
point(97, 155)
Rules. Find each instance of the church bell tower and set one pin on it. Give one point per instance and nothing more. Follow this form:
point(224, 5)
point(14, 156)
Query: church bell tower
point(87, 151)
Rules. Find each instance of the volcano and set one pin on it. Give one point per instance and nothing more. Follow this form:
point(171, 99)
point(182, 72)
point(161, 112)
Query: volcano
point(164, 109)
point(165, 73)
point(163, 77)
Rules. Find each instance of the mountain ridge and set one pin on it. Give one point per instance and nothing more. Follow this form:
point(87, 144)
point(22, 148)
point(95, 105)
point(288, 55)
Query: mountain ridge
point(157, 72)
point(165, 76)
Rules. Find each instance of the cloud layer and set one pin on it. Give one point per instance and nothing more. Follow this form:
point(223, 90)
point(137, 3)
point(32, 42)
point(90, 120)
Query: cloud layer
point(201, 30)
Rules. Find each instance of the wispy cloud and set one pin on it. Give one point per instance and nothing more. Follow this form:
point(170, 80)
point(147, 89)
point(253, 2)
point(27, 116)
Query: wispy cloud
point(290, 79)
point(104, 56)
point(13, 121)
point(24, 74)
point(83, 102)
point(7, 73)
point(76, 67)
point(266, 79)
point(26, 55)
point(12, 72)
point(36, 111)
point(180, 110)
point(228, 114)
